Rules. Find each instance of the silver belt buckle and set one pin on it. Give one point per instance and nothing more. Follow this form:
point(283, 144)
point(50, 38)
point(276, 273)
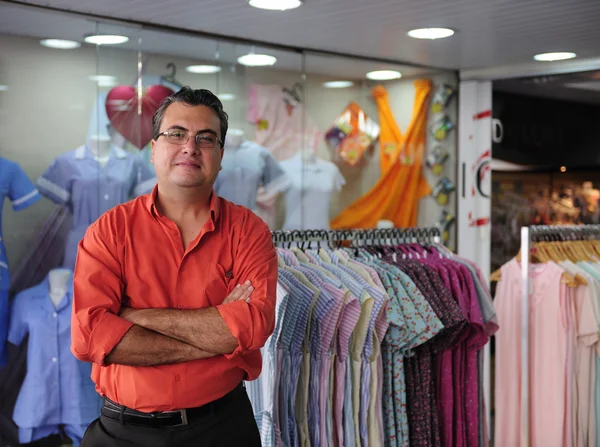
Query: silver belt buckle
point(184, 417)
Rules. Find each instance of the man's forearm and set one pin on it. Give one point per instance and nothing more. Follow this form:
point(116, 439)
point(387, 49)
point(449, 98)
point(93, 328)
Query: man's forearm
point(143, 347)
point(202, 328)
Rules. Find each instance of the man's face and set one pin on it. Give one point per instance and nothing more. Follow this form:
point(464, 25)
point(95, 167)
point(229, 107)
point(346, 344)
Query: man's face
point(187, 165)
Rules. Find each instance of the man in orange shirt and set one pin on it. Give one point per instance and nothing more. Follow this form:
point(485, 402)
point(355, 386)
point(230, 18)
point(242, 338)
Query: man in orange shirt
point(175, 295)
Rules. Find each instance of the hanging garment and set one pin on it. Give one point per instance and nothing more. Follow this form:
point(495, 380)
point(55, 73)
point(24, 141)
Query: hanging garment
point(550, 366)
point(402, 184)
point(78, 180)
point(372, 347)
point(282, 123)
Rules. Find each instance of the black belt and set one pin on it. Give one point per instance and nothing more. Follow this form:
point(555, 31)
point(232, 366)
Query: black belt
point(175, 418)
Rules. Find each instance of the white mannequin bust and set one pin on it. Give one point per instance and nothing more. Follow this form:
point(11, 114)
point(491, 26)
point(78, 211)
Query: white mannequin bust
point(58, 280)
point(100, 146)
point(308, 156)
point(234, 138)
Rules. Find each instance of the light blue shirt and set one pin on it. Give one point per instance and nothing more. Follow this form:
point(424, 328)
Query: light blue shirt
point(244, 169)
point(89, 189)
point(57, 388)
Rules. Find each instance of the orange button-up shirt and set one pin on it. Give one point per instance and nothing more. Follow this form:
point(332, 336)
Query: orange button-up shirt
point(134, 255)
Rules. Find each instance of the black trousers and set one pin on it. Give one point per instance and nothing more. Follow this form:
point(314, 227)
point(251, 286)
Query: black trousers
point(229, 425)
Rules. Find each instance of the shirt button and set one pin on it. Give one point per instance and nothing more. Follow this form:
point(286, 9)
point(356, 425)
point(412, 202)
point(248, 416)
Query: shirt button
point(106, 197)
point(177, 377)
point(55, 315)
point(54, 359)
point(180, 306)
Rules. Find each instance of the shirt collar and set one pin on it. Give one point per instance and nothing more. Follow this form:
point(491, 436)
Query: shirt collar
point(82, 152)
point(215, 205)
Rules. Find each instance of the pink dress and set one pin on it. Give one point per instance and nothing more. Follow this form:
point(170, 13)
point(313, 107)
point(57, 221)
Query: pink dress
point(549, 366)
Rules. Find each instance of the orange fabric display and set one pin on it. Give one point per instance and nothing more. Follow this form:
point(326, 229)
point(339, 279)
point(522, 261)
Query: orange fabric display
point(396, 195)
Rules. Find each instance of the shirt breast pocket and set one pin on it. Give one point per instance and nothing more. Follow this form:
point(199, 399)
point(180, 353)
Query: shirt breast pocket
point(218, 282)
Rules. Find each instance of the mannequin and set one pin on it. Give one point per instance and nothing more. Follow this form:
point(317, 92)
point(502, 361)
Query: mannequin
point(57, 395)
point(313, 181)
point(58, 281)
point(247, 168)
point(100, 147)
point(234, 138)
point(308, 155)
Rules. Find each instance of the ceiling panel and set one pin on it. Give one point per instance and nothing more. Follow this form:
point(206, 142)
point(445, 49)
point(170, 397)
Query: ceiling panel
point(32, 22)
point(490, 32)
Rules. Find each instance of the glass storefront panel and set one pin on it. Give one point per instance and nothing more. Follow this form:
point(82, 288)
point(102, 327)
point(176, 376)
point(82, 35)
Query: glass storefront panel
point(301, 152)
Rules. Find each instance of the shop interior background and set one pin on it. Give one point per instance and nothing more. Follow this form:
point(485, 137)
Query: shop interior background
point(54, 90)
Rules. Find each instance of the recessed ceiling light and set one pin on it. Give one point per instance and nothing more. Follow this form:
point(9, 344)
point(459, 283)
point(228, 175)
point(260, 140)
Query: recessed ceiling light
point(3, 88)
point(257, 60)
point(106, 39)
point(60, 44)
point(226, 96)
point(551, 57)
point(275, 5)
point(203, 69)
point(431, 33)
point(338, 84)
point(384, 75)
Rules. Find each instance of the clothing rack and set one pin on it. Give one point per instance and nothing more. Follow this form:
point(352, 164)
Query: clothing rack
point(540, 233)
point(359, 236)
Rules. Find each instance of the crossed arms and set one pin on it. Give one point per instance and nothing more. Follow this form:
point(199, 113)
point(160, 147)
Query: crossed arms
point(167, 336)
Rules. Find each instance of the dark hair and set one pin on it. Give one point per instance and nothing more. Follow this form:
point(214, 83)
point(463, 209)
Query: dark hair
point(198, 97)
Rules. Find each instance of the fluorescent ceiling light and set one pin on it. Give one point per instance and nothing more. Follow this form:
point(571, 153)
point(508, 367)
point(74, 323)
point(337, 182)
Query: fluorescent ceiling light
point(3, 88)
point(551, 57)
point(275, 5)
point(257, 60)
point(226, 96)
point(106, 39)
point(104, 80)
point(431, 33)
point(338, 84)
point(203, 69)
point(60, 44)
point(384, 75)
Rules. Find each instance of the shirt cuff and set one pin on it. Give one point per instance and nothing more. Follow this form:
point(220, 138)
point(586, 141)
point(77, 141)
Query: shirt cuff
point(107, 333)
point(26, 201)
point(236, 316)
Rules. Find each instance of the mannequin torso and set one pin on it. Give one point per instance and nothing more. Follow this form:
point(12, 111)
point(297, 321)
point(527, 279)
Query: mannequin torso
point(58, 281)
point(100, 147)
point(234, 138)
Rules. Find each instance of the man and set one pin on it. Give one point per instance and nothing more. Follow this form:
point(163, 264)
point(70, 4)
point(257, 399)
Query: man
point(175, 295)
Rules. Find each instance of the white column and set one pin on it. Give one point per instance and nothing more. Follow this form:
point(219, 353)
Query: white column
point(474, 188)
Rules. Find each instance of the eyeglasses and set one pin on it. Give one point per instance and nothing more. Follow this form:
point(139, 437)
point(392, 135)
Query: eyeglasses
point(203, 140)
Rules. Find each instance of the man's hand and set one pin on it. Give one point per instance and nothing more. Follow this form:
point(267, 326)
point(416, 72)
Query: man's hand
point(241, 292)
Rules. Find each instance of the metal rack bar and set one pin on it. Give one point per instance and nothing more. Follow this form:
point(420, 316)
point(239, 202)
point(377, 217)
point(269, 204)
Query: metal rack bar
point(375, 235)
point(525, 336)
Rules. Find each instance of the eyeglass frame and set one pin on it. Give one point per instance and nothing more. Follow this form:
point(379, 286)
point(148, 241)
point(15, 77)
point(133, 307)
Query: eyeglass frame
point(166, 134)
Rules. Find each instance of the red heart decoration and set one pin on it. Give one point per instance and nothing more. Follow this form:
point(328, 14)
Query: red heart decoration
point(122, 110)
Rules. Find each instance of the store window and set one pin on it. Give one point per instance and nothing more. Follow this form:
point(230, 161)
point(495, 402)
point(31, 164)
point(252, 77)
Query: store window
point(314, 141)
